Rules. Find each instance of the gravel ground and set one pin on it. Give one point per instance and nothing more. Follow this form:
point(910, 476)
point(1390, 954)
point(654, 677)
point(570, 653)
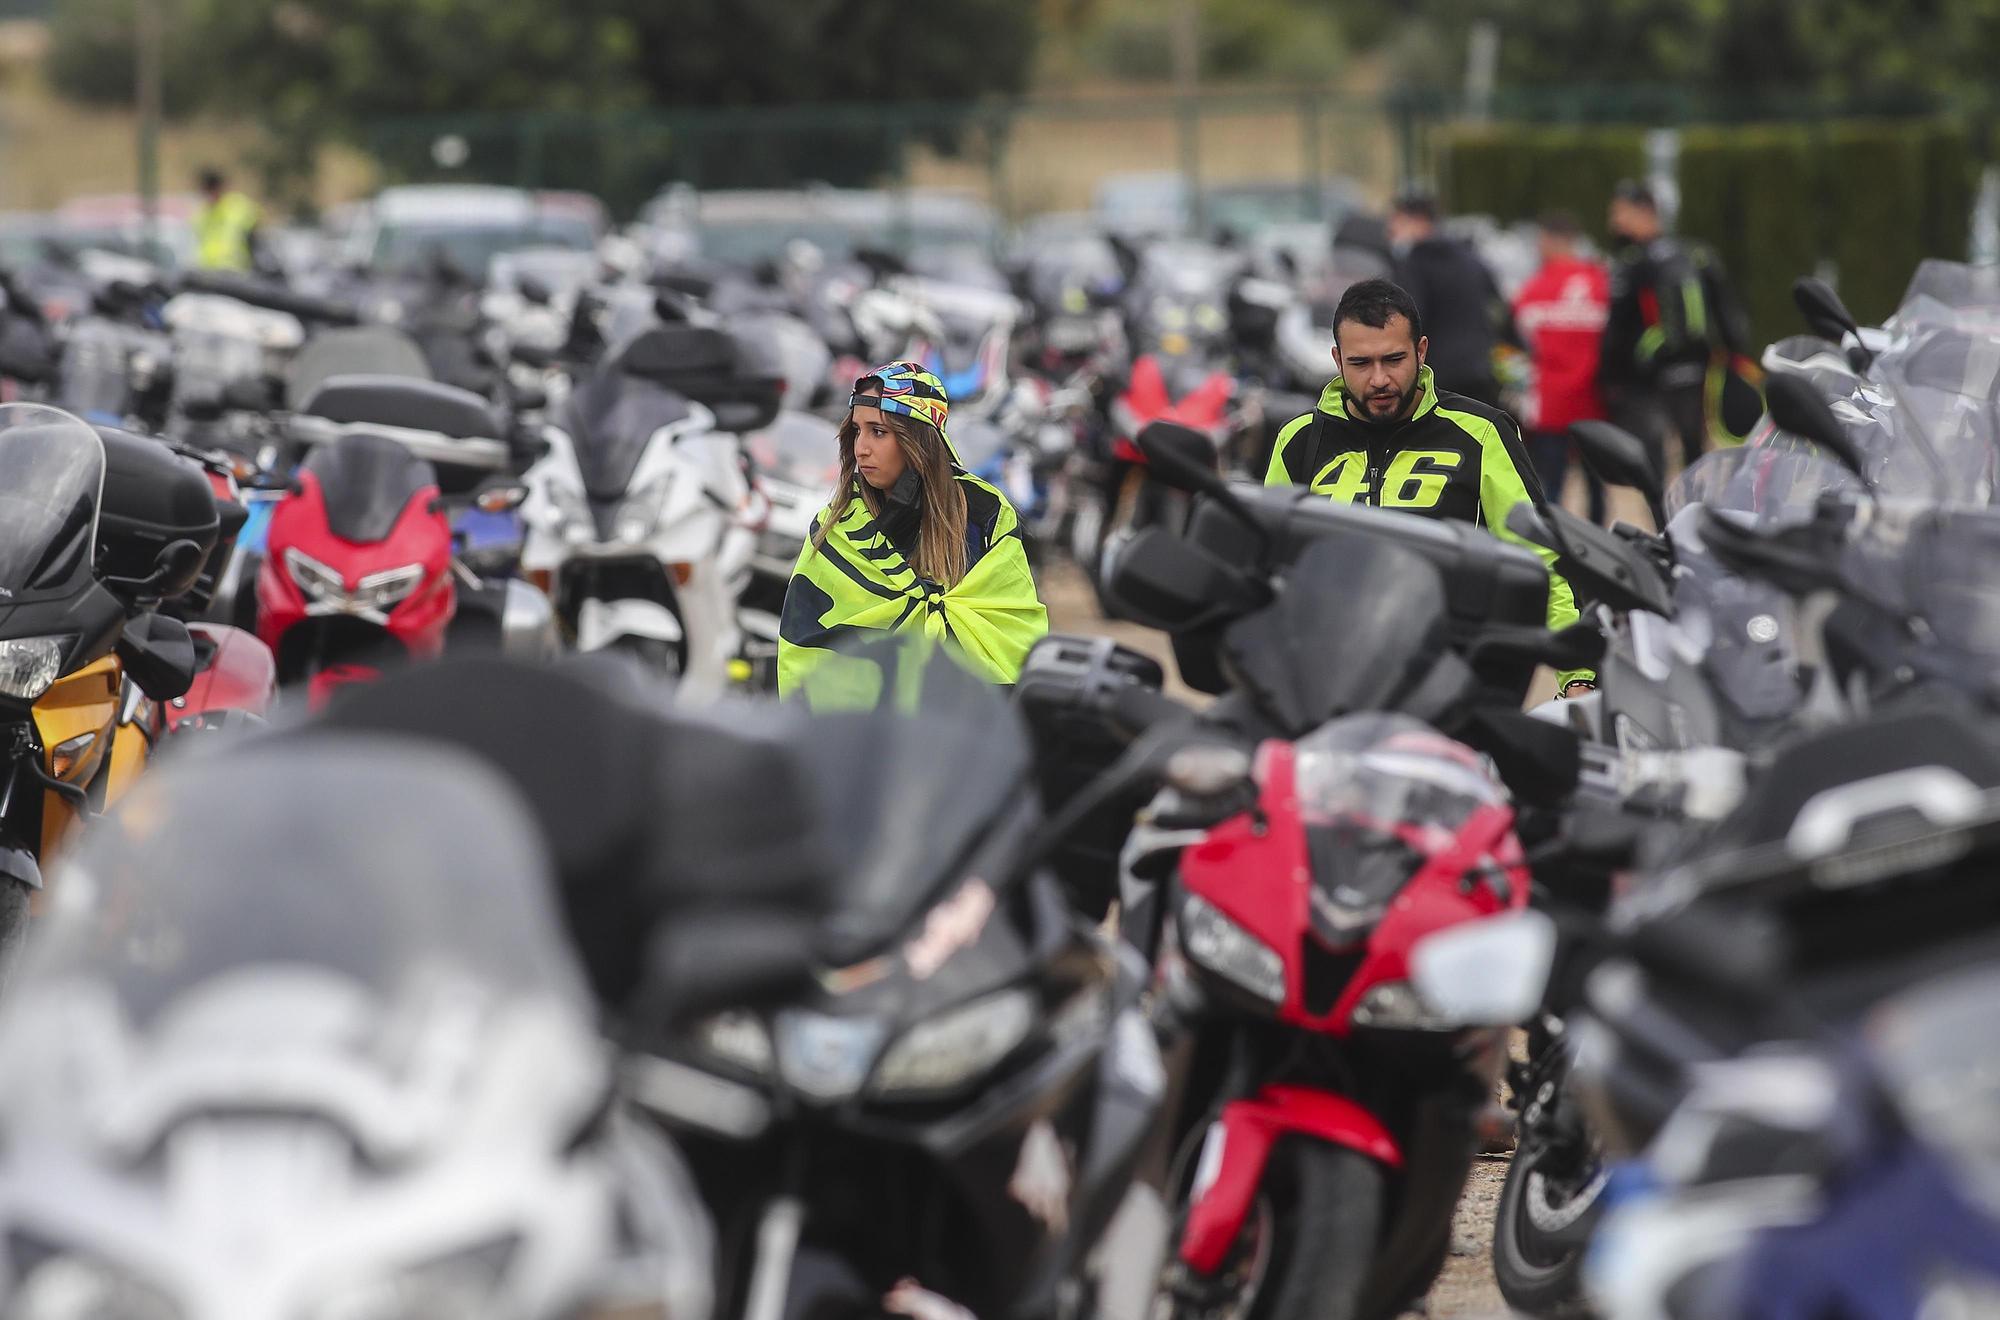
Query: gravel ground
point(1466, 1290)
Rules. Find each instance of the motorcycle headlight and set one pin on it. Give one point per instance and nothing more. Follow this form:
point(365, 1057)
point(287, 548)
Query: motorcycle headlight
point(73, 1288)
point(827, 1058)
point(956, 1046)
point(639, 516)
point(1216, 942)
point(736, 1038)
point(28, 665)
point(1396, 1005)
point(315, 579)
point(382, 592)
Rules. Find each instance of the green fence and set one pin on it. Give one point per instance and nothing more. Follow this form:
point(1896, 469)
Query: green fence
point(1865, 199)
point(1024, 157)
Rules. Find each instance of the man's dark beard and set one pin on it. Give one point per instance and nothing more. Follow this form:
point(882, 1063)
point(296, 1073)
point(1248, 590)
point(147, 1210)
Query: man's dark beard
point(1404, 407)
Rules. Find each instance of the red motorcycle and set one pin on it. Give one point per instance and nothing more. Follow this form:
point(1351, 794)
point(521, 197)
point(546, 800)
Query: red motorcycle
point(1326, 1184)
point(357, 573)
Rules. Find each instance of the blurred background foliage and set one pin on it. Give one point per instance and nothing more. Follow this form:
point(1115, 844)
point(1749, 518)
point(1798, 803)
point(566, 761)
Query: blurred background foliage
point(1844, 132)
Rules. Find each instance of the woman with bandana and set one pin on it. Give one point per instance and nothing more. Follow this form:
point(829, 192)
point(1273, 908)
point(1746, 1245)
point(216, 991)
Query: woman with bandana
point(909, 543)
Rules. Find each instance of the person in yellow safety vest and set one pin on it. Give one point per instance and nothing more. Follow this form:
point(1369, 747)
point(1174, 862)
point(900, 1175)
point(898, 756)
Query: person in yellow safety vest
point(225, 229)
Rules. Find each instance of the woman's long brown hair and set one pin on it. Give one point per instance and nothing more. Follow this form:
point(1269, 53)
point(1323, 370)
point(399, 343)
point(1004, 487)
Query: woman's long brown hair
point(940, 554)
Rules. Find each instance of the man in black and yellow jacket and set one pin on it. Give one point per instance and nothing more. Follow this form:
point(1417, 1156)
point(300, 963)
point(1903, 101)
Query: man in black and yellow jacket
point(1384, 435)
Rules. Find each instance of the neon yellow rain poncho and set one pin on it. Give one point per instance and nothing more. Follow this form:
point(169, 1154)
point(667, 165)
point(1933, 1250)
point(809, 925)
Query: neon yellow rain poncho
point(858, 585)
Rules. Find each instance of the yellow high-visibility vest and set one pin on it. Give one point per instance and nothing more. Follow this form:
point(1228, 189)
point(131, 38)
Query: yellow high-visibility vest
point(222, 232)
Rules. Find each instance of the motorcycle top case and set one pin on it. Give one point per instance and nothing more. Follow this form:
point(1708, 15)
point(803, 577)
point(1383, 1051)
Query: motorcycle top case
point(152, 496)
point(1062, 692)
point(709, 367)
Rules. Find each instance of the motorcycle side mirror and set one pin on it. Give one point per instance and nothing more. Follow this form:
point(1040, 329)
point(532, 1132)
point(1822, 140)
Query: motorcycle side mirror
point(1825, 313)
point(1185, 459)
point(1798, 410)
point(1619, 459)
point(158, 652)
point(534, 290)
point(1490, 973)
point(1181, 457)
point(1161, 581)
point(1526, 522)
point(177, 561)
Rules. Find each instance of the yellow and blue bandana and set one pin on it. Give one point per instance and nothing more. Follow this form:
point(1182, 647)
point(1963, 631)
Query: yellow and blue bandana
point(908, 389)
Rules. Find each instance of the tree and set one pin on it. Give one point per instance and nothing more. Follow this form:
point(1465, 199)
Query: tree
point(320, 70)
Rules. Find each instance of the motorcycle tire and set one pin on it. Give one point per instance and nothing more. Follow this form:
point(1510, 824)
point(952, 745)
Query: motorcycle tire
point(1539, 1273)
point(1328, 1206)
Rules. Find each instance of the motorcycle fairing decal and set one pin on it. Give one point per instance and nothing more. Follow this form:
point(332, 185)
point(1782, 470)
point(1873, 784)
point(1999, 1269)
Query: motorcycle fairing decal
point(1249, 1129)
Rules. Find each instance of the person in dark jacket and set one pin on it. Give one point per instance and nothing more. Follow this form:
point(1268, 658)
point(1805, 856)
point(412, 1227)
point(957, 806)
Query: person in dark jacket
point(1456, 295)
point(1672, 315)
point(1386, 436)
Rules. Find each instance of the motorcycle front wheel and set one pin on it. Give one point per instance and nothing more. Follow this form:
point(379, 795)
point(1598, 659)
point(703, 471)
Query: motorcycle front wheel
point(1546, 1210)
point(1305, 1250)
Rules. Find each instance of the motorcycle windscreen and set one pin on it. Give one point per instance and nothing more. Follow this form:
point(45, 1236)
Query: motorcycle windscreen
point(1950, 293)
point(368, 928)
point(1775, 483)
point(367, 480)
point(1939, 402)
point(611, 420)
point(1379, 794)
point(51, 485)
point(1358, 623)
point(921, 776)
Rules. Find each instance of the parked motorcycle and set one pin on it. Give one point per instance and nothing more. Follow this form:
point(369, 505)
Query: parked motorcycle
point(953, 1112)
point(641, 518)
point(95, 535)
point(357, 570)
point(359, 1070)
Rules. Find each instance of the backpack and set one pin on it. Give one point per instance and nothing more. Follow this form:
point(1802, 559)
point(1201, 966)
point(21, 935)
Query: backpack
point(1681, 320)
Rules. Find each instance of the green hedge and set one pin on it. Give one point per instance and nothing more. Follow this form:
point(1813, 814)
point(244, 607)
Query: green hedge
point(1514, 172)
point(1774, 200)
point(1753, 194)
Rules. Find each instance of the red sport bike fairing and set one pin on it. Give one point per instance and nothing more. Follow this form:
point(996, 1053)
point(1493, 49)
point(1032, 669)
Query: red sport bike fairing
point(1345, 1128)
point(357, 572)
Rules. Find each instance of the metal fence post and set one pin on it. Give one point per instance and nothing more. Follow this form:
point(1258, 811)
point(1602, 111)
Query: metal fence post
point(1314, 183)
point(528, 159)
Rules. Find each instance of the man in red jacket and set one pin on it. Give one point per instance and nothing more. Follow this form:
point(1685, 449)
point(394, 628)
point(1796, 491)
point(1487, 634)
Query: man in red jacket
point(1560, 315)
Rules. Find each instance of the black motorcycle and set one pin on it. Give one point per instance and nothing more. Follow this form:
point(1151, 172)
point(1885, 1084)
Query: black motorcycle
point(957, 1105)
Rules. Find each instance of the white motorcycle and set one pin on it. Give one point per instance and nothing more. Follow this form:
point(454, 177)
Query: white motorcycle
point(641, 518)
